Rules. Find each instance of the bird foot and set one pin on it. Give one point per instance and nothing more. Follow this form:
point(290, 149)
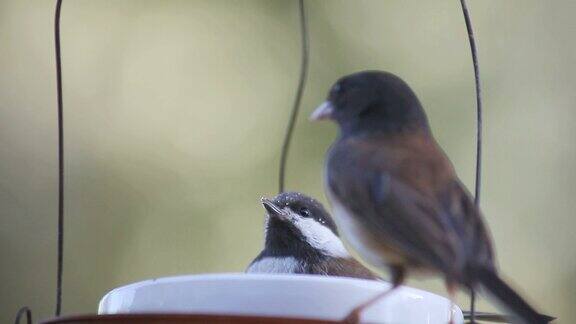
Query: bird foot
point(353, 317)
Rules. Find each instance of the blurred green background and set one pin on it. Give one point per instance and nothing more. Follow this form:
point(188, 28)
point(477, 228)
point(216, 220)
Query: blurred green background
point(175, 112)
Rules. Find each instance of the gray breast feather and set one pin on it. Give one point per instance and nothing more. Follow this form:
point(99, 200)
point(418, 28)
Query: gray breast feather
point(275, 265)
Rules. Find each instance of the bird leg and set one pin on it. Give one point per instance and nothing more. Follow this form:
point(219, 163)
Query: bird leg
point(472, 306)
point(397, 278)
point(451, 288)
point(354, 316)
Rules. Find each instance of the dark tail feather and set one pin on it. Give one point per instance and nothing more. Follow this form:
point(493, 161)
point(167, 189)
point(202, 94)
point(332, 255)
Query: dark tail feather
point(507, 297)
point(495, 318)
point(485, 316)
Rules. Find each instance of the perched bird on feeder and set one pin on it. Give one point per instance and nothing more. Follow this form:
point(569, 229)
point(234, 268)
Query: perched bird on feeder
point(301, 237)
point(396, 198)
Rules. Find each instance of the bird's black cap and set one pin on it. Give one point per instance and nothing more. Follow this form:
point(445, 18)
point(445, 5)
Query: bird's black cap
point(300, 204)
point(372, 101)
point(284, 211)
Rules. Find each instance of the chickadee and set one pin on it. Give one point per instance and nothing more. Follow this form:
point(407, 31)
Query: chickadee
point(301, 238)
point(396, 197)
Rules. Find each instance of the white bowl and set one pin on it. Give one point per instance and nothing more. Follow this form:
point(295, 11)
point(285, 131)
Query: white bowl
point(301, 296)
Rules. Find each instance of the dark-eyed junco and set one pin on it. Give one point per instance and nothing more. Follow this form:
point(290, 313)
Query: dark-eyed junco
point(395, 196)
point(301, 238)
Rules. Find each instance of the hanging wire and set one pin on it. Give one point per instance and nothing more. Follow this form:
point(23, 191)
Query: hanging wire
point(60, 248)
point(305, 52)
point(477, 185)
point(478, 102)
point(21, 312)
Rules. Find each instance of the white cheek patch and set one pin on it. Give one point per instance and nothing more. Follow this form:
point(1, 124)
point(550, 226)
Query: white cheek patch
point(320, 236)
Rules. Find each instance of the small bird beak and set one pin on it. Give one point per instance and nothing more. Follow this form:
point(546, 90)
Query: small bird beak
point(324, 111)
point(272, 209)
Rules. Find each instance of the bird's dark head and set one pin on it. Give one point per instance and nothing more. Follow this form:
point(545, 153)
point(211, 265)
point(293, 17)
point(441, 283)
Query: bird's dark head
point(372, 101)
point(300, 224)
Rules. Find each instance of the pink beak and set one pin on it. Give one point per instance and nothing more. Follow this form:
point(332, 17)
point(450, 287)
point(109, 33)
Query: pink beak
point(323, 112)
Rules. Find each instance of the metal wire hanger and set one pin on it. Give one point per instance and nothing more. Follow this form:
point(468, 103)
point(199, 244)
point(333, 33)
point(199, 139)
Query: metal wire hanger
point(478, 183)
point(26, 311)
point(285, 146)
point(305, 53)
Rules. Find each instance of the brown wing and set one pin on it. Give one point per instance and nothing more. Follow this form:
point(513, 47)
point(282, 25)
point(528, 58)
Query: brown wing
point(342, 267)
point(473, 233)
point(396, 188)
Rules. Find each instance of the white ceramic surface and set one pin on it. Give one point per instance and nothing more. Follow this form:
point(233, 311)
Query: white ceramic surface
point(278, 295)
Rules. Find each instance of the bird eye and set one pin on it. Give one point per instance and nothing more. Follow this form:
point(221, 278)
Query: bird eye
point(337, 88)
point(304, 212)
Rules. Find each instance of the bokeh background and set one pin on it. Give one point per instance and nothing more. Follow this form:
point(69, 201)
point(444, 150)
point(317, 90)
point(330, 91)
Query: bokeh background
point(175, 112)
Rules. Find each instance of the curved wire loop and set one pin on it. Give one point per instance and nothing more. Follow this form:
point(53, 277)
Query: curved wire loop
point(305, 53)
point(474, 52)
point(21, 312)
point(477, 185)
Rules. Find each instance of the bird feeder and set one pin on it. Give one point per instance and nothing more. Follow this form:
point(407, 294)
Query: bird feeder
point(252, 298)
